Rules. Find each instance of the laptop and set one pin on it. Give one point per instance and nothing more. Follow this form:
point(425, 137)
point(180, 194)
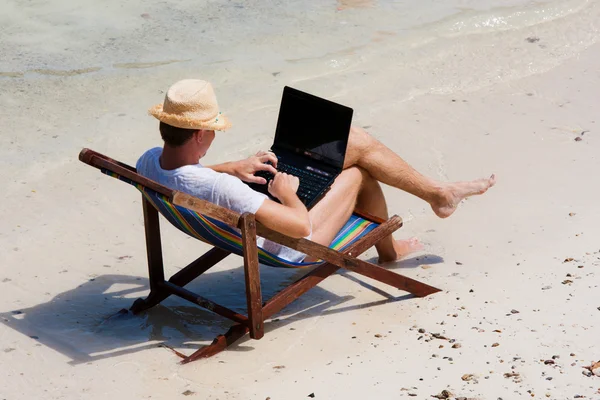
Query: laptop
point(310, 143)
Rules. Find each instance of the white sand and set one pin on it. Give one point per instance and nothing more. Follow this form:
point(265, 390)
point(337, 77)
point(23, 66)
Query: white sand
point(457, 104)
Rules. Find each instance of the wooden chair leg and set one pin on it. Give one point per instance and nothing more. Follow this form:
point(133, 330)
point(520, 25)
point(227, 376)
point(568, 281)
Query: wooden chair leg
point(252, 276)
point(220, 343)
point(156, 272)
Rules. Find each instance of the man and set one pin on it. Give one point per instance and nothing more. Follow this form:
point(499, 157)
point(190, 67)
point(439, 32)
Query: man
point(189, 118)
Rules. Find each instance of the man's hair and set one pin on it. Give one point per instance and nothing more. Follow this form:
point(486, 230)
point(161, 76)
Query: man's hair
point(173, 136)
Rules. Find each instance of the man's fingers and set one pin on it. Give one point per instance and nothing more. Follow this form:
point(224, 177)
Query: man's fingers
point(266, 167)
point(256, 179)
point(268, 157)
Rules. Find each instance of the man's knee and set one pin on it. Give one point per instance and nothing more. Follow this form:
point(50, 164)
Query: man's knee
point(360, 143)
point(359, 138)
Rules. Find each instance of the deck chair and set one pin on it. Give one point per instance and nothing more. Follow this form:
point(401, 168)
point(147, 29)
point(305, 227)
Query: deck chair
point(229, 233)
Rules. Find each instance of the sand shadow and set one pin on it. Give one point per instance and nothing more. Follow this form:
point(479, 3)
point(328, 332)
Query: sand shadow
point(413, 262)
point(86, 323)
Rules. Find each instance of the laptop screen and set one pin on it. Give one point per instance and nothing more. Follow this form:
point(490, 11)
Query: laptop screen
point(313, 127)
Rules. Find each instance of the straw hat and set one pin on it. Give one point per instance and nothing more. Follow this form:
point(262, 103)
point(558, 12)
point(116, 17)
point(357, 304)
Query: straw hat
point(191, 104)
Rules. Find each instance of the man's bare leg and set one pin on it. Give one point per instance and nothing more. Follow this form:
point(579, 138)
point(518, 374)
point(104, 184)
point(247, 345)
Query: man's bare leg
point(355, 187)
point(387, 167)
point(372, 200)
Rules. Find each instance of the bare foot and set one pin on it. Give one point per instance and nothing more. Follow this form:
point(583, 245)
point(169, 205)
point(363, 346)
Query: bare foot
point(453, 193)
point(402, 248)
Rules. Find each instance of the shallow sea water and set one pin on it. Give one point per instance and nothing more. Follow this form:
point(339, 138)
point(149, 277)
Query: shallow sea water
point(88, 37)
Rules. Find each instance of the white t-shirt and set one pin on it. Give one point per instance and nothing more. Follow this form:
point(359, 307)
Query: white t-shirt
point(218, 188)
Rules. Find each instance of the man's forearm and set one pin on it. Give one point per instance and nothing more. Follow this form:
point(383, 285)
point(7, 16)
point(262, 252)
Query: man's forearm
point(298, 211)
point(227, 168)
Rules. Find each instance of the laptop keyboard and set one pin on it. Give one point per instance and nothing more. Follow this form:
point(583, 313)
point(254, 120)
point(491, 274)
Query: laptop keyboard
point(311, 183)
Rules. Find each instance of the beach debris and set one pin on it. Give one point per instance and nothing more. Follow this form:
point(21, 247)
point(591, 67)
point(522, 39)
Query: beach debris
point(439, 336)
point(456, 346)
point(532, 39)
point(593, 369)
point(515, 375)
point(549, 362)
point(312, 395)
point(278, 366)
point(166, 346)
point(568, 259)
point(468, 377)
point(495, 344)
point(578, 139)
point(188, 393)
point(513, 311)
point(547, 287)
point(378, 335)
point(16, 312)
point(587, 373)
point(459, 263)
point(425, 266)
point(567, 282)
point(572, 214)
point(444, 394)
point(9, 349)
point(6, 280)
point(421, 330)
point(124, 257)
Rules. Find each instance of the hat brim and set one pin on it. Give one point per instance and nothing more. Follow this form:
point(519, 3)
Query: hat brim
point(219, 123)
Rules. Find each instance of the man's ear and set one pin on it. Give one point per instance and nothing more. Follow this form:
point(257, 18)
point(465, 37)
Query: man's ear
point(199, 136)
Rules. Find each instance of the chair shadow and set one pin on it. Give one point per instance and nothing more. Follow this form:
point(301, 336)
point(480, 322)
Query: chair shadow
point(413, 262)
point(90, 322)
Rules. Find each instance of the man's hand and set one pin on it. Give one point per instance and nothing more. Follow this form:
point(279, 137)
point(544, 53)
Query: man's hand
point(291, 216)
point(245, 169)
point(283, 186)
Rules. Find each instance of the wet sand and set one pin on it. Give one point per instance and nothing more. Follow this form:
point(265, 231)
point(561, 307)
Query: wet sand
point(519, 267)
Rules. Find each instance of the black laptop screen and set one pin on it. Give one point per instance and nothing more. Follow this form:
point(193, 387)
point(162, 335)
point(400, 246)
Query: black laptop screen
point(313, 126)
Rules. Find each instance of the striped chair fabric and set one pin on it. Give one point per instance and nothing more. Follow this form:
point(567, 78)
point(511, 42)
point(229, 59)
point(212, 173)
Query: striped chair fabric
point(228, 238)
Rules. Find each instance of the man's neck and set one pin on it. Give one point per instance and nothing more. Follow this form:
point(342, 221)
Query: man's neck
point(176, 157)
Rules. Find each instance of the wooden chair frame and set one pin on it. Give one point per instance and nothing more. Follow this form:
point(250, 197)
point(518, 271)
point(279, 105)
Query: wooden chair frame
point(258, 312)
